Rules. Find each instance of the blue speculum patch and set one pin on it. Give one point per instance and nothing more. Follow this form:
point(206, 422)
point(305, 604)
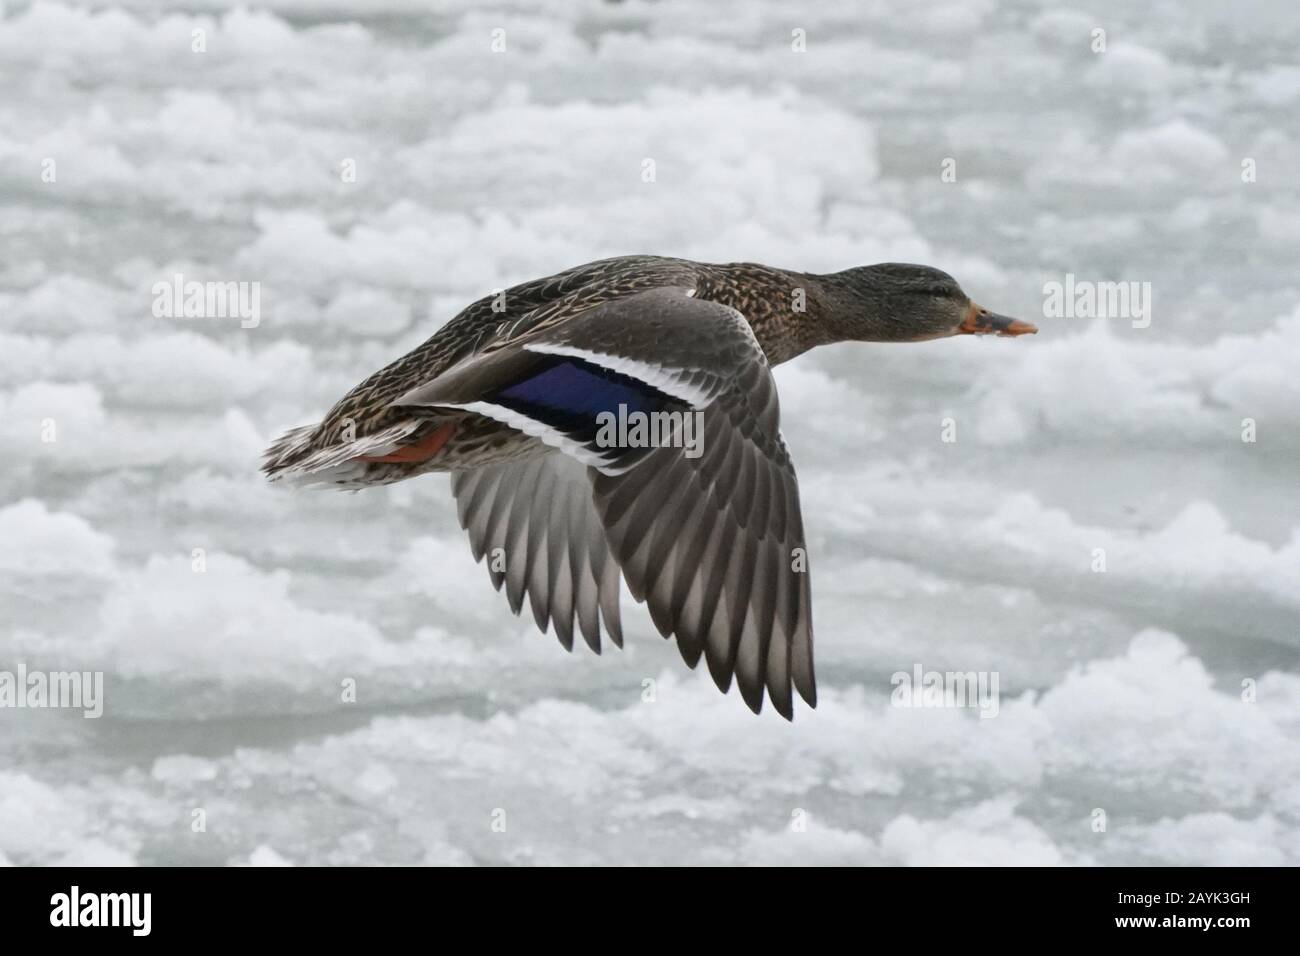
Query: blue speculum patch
point(570, 393)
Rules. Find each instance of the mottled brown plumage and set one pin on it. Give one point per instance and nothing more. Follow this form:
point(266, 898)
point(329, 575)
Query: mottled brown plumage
point(765, 296)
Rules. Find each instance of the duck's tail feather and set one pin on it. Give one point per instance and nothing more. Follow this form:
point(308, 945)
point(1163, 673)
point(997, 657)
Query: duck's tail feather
point(296, 458)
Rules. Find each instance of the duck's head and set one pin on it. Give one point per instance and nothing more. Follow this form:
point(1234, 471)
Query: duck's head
point(901, 302)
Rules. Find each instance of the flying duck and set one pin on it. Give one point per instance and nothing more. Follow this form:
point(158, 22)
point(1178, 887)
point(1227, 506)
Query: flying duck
point(526, 397)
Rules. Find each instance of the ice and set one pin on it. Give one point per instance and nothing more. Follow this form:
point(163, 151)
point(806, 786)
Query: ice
point(690, 778)
point(39, 542)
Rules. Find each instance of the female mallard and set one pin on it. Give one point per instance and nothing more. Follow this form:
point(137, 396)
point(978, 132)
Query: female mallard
point(516, 395)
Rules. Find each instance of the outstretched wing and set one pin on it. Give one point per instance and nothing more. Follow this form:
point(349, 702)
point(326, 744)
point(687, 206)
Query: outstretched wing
point(533, 521)
point(705, 526)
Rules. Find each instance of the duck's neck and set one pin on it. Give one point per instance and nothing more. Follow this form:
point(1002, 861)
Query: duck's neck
point(792, 312)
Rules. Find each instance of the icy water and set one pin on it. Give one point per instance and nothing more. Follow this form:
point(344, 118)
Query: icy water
point(321, 678)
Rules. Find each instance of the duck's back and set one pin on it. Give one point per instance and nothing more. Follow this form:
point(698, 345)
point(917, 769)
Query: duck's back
point(366, 412)
point(489, 322)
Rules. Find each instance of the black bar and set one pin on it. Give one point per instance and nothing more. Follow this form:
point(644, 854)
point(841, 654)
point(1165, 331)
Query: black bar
point(331, 906)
